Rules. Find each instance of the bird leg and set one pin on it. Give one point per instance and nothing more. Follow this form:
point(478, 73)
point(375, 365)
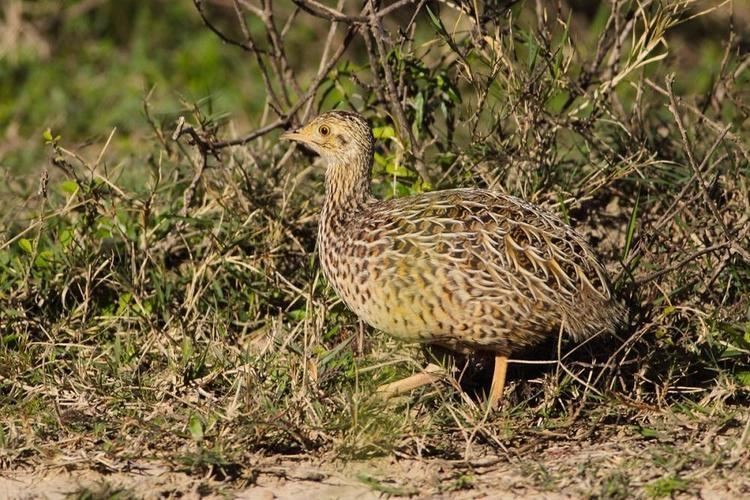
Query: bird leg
point(431, 373)
point(498, 380)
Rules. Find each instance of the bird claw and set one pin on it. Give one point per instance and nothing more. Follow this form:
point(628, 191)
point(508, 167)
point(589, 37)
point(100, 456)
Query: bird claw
point(431, 373)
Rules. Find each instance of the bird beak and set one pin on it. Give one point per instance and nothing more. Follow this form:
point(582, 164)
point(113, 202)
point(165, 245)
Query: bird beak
point(292, 135)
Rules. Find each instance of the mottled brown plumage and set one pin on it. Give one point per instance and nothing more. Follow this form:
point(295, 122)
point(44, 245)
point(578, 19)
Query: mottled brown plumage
point(466, 269)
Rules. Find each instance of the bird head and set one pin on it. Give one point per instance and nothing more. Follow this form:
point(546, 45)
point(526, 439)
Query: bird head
point(339, 137)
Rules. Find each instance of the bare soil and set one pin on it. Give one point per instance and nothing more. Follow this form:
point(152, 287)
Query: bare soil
point(695, 461)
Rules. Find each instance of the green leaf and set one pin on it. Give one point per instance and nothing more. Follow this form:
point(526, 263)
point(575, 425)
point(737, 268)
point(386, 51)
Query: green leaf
point(123, 303)
point(195, 426)
point(743, 378)
point(397, 169)
point(380, 160)
point(384, 132)
point(331, 355)
point(648, 432)
point(666, 486)
point(117, 348)
point(26, 245)
point(631, 227)
point(8, 340)
point(65, 237)
point(435, 21)
point(297, 314)
point(187, 349)
point(419, 118)
point(47, 134)
point(69, 187)
point(44, 259)
point(565, 215)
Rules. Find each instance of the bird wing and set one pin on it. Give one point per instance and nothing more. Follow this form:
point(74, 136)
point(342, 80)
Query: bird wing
point(504, 243)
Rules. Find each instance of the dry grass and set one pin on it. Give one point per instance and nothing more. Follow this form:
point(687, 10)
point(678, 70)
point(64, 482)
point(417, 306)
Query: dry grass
point(167, 307)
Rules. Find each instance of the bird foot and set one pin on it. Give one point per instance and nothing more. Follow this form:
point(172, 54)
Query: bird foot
point(498, 381)
point(431, 373)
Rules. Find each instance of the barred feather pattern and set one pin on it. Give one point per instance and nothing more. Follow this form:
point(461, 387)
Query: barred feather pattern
point(467, 269)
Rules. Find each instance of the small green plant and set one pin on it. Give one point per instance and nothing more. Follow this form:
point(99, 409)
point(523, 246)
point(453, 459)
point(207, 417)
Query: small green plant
point(666, 487)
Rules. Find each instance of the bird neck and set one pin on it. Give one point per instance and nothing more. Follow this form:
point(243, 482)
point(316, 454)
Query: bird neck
point(348, 184)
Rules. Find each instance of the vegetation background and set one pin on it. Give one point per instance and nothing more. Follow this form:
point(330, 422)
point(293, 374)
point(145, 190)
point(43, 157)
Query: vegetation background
point(161, 307)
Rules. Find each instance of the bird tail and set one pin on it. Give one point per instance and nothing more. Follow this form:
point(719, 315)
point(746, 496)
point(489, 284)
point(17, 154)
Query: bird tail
point(599, 315)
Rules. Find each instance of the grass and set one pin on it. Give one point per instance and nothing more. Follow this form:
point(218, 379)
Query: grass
point(138, 327)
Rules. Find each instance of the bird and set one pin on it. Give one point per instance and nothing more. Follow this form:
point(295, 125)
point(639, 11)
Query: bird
point(468, 270)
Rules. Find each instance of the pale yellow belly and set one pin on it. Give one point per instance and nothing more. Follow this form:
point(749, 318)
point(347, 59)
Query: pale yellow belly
point(406, 300)
point(422, 301)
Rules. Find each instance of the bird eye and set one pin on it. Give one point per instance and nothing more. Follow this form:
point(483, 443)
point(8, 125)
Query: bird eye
point(324, 130)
